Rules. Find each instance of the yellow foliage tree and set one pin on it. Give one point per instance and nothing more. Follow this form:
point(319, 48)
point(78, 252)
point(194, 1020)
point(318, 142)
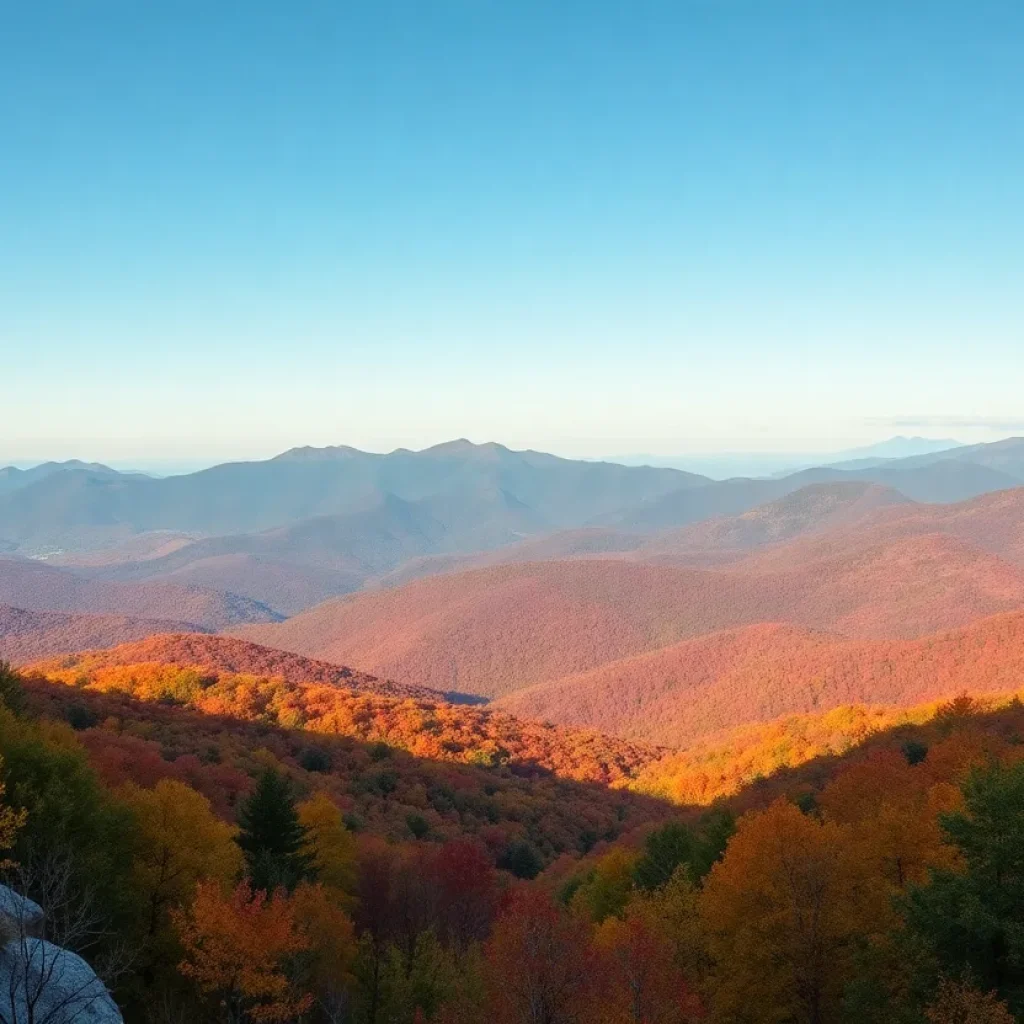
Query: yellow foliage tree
point(674, 911)
point(609, 887)
point(780, 911)
point(332, 945)
point(179, 843)
point(330, 846)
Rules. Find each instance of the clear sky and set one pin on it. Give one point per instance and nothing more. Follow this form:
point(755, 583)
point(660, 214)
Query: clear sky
point(593, 227)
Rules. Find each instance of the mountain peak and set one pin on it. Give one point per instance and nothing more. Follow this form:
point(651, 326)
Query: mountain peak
point(310, 453)
point(463, 446)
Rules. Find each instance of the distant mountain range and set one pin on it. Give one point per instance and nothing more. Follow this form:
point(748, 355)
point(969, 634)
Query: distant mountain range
point(80, 507)
point(12, 478)
point(560, 588)
point(725, 465)
point(316, 523)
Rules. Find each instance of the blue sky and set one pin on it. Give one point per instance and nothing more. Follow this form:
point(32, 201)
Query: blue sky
point(597, 228)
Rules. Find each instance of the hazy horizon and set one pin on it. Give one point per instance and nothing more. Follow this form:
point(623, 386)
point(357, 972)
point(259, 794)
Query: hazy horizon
point(715, 464)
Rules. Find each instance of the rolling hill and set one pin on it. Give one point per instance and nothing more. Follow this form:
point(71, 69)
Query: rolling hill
point(318, 700)
point(942, 480)
point(222, 654)
point(817, 508)
point(719, 681)
point(139, 547)
point(832, 521)
point(284, 586)
point(843, 509)
point(293, 567)
point(491, 631)
point(992, 523)
point(27, 636)
point(41, 587)
point(586, 542)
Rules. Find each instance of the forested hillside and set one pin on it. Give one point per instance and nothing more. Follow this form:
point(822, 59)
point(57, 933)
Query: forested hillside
point(362, 868)
point(496, 630)
point(680, 693)
point(28, 636)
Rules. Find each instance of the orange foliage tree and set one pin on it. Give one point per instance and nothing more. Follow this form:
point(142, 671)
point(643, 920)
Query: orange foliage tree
point(241, 949)
point(892, 811)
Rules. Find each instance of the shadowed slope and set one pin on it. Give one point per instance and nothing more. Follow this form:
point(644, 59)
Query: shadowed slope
point(554, 795)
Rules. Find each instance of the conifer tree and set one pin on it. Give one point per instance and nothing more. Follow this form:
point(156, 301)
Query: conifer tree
point(11, 692)
point(271, 836)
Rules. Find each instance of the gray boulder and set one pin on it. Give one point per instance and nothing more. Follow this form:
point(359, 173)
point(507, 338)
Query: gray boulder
point(41, 983)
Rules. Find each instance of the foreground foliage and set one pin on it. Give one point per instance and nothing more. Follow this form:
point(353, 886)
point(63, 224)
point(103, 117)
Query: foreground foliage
point(259, 873)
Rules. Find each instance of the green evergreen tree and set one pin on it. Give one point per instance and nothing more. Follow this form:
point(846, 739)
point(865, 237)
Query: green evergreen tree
point(675, 843)
point(716, 829)
point(521, 859)
point(11, 692)
point(271, 837)
point(974, 921)
point(664, 850)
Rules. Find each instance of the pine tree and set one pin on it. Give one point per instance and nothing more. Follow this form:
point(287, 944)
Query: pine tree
point(973, 918)
point(272, 837)
point(11, 692)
